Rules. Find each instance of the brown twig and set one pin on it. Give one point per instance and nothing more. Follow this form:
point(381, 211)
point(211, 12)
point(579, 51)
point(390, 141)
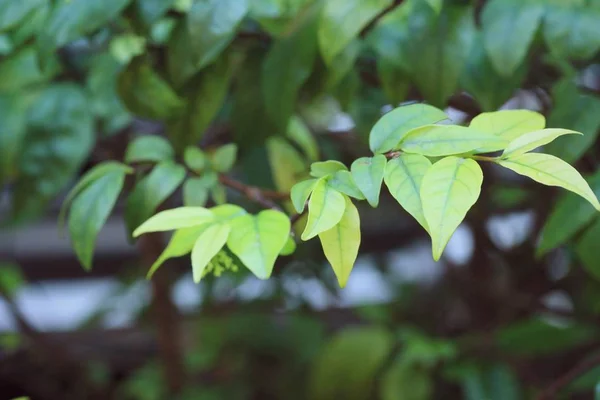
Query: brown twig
point(376, 19)
point(584, 366)
point(264, 197)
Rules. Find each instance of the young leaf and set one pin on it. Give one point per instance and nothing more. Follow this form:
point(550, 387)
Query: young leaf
point(342, 20)
point(509, 124)
point(224, 157)
point(508, 29)
point(343, 182)
point(149, 148)
point(403, 177)
point(176, 218)
point(301, 192)
point(89, 213)
point(443, 140)
point(151, 191)
point(367, 173)
point(323, 168)
point(551, 171)
point(533, 140)
point(325, 209)
point(207, 245)
point(340, 243)
point(393, 126)
point(258, 240)
point(289, 247)
point(181, 243)
point(194, 159)
point(448, 190)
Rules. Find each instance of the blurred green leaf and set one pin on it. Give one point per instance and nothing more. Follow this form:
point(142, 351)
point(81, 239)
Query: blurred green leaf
point(347, 366)
point(58, 139)
point(300, 134)
point(90, 210)
point(223, 159)
point(31, 25)
point(367, 173)
point(587, 249)
point(406, 381)
point(21, 69)
point(195, 159)
point(13, 13)
point(196, 190)
point(394, 81)
point(343, 63)
point(146, 94)
point(6, 45)
point(149, 11)
point(390, 36)
point(127, 46)
point(150, 191)
point(13, 110)
point(287, 165)
point(11, 278)
point(509, 27)
point(149, 148)
point(289, 247)
point(275, 16)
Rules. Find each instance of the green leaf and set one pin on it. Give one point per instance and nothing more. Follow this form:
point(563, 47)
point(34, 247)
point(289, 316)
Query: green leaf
point(508, 30)
point(70, 20)
point(406, 379)
point(551, 171)
point(212, 25)
point(358, 353)
point(299, 133)
point(228, 212)
point(195, 159)
point(343, 182)
point(258, 240)
point(367, 173)
point(587, 249)
point(394, 81)
point(127, 46)
point(403, 177)
point(146, 94)
point(442, 140)
point(342, 64)
point(435, 4)
point(509, 124)
point(394, 126)
point(390, 36)
point(58, 139)
point(325, 209)
point(149, 148)
point(289, 248)
point(571, 29)
point(176, 218)
point(301, 192)
point(207, 245)
point(90, 210)
point(533, 140)
point(340, 243)
point(31, 25)
point(288, 65)
point(448, 190)
point(196, 190)
point(286, 163)
point(218, 194)
point(438, 49)
point(13, 13)
point(90, 177)
point(223, 159)
point(11, 278)
point(149, 11)
point(151, 191)
point(323, 168)
point(13, 111)
point(568, 217)
point(342, 20)
point(21, 69)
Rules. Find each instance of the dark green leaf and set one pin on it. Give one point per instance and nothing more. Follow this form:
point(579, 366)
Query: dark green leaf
point(89, 212)
point(394, 81)
point(13, 13)
point(151, 191)
point(58, 140)
point(149, 11)
point(587, 249)
point(390, 36)
point(31, 25)
point(149, 148)
point(343, 63)
point(407, 381)
point(21, 69)
point(299, 133)
point(12, 130)
point(11, 278)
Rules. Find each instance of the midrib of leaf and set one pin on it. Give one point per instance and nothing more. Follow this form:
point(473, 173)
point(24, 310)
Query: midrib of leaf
point(451, 186)
point(410, 177)
point(257, 237)
point(539, 171)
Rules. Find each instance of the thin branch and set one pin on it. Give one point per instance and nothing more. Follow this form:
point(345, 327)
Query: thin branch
point(378, 17)
point(261, 196)
point(584, 366)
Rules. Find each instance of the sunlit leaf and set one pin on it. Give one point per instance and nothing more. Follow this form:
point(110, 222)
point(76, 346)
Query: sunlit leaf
point(289, 248)
point(325, 209)
point(258, 240)
point(324, 168)
point(343, 182)
point(207, 245)
point(533, 140)
point(509, 124)
point(300, 193)
point(176, 218)
point(448, 190)
point(403, 177)
point(340, 243)
point(551, 171)
point(393, 126)
point(149, 148)
point(367, 173)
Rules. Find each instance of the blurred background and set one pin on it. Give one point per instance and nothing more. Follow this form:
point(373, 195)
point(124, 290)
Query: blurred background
point(511, 311)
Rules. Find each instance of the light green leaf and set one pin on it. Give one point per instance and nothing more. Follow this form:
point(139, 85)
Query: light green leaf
point(587, 249)
point(126, 46)
point(258, 240)
point(286, 163)
point(551, 171)
point(194, 159)
point(403, 177)
point(195, 190)
point(342, 20)
point(151, 191)
point(533, 140)
point(299, 133)
point(367, 173)
point(176, 218)
point(218, 194)
point(300, 193)
point(212, 25)
point(403, 377)
point(89, 213)
point(227, 212)
point(509, 124)
point(448, 190)
point(181, 243)
point(325, 209)
point(340, 243)
point(343, 182)
point(508, 29)
point(320, 169)
point(207, 245)
point(393, 126)
point(86, 180)
point(224, 157)
point(289, 248)
point(149, 148)
point(442, 140)
point(571, 214)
